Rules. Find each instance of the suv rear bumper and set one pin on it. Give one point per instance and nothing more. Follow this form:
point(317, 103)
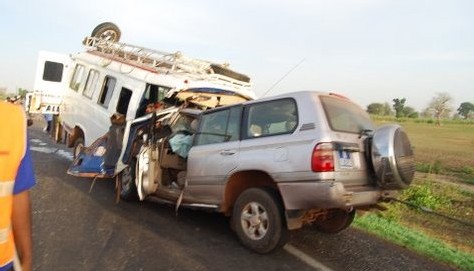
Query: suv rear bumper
point(327, 195)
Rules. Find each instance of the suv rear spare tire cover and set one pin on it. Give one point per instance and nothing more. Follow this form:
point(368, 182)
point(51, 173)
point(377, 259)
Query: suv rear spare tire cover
point(392, 157)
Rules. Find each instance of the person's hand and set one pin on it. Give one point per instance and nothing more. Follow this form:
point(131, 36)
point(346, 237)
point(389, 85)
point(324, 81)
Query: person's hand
point(150, 108)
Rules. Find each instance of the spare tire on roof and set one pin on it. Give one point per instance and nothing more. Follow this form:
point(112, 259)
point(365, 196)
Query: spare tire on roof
point(107, 31)
point(392, 157)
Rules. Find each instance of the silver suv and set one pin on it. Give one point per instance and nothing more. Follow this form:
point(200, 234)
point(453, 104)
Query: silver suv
point(303, 158)
point(272, 165)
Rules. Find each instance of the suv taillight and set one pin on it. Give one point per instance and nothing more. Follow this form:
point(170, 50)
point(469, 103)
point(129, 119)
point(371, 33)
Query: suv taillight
point(322, 159)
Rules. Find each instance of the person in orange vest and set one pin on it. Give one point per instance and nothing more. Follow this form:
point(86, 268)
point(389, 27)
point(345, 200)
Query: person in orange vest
point(16, 178)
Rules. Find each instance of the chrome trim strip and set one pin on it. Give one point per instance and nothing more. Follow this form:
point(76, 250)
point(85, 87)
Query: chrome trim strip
point(201, 205)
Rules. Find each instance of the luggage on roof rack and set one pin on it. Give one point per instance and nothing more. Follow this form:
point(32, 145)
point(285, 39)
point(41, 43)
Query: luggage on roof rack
point(160, 61)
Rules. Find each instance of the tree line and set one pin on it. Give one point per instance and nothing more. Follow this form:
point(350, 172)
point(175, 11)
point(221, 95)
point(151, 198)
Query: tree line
point(440, 107)
point(4, 95)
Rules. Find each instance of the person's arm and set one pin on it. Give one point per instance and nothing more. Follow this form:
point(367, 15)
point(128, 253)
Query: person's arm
point(21, 211)
point(21, 225)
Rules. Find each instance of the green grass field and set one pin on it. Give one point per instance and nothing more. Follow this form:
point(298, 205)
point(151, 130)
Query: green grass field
point(444, 184)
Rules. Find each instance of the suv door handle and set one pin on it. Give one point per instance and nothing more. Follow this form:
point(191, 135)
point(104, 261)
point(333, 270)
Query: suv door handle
point(227, 152)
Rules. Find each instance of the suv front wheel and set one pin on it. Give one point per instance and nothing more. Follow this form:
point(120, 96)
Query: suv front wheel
point(258, 221)
point(128, 188)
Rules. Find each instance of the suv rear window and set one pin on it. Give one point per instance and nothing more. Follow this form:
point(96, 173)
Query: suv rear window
point(345, 116)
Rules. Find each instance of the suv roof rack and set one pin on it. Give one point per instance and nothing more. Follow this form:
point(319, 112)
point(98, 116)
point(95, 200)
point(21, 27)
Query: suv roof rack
point(164, 62)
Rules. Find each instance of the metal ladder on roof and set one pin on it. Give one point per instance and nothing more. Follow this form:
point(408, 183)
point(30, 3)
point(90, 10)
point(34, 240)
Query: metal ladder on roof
point(164, 62)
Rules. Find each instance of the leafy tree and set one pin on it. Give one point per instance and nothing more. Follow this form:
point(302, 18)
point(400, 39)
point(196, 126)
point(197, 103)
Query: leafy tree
point(466, 109)
point(379, 109)
point(440, 106)
point(410, 112)
point(375, 109)
point(398, 105)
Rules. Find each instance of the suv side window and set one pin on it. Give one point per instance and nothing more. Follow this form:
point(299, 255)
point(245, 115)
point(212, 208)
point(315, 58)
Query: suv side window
point(219, 126)
point(270, 118)
point(77, 77)
point(107, 91)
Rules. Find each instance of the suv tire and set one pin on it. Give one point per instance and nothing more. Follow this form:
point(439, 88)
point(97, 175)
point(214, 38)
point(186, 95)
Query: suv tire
point(258, 220)
point(128, 188)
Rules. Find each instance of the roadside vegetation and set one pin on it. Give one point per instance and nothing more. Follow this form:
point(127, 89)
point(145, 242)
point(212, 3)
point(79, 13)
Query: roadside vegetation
point(437, 216)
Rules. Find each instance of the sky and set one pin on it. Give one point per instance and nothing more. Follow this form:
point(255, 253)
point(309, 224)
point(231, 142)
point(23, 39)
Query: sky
point(368, 50)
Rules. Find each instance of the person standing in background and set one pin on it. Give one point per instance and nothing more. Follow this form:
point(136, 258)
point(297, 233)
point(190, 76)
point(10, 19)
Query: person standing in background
point(48, 117)
point(16, 178)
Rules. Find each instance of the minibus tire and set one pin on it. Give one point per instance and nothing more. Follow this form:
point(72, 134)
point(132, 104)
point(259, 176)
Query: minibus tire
point(107, 31)
point(78, 146)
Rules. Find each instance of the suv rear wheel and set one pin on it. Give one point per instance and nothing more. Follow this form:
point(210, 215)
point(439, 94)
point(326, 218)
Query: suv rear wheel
point(336, 221)
point(258, 221)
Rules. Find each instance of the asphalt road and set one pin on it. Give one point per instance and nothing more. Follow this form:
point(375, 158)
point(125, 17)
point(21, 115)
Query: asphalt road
point(77, 230)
